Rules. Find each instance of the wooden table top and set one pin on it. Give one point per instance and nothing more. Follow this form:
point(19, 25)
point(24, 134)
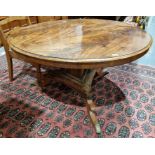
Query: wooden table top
point(81, 41)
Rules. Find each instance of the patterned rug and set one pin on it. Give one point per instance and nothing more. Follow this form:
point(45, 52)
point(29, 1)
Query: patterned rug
point(125, 101)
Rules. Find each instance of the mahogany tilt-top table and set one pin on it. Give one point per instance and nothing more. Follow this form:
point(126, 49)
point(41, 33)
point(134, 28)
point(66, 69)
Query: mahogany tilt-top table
point(82, 47)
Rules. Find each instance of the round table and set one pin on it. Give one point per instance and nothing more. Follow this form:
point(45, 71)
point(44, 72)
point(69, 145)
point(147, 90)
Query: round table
point(82, 47)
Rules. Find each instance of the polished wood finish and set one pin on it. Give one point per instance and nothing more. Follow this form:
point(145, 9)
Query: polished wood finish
point(23, 20)
point(5, 26)
point(14, 21)
point(36, 19)
point(2, 17)
point(83, 45)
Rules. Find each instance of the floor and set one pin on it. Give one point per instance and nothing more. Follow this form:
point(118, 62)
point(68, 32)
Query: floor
point(125, 100)
point(149, 58)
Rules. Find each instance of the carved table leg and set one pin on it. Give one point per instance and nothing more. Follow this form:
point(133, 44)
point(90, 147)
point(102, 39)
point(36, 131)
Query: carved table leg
point(90, 104)
point(92, 115)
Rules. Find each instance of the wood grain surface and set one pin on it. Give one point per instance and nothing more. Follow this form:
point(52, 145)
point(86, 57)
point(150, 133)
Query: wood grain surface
point(80, 43)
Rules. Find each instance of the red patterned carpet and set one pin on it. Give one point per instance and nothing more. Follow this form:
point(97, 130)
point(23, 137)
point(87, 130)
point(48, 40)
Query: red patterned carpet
point(125, 104)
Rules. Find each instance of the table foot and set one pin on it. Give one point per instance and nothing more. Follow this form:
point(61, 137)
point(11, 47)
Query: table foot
point(92, 115)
